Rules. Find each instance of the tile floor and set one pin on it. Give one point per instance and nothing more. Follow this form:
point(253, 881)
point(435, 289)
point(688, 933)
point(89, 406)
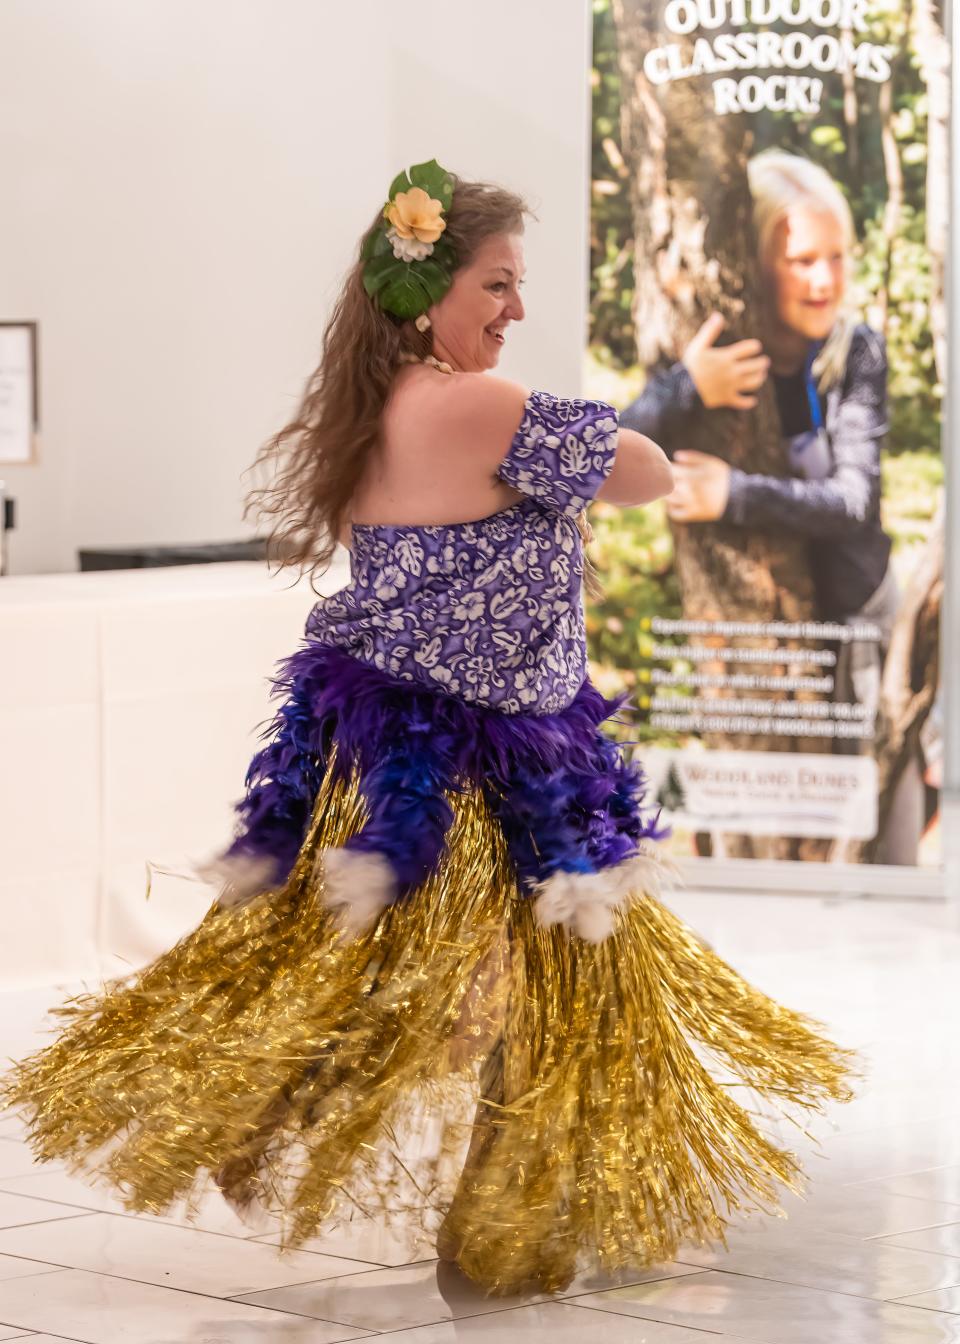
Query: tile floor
point(871, 1256)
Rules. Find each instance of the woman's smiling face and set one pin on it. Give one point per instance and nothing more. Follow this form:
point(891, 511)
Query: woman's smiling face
point(471, 320)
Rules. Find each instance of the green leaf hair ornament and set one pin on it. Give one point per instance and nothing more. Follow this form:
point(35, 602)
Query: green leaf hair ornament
point(408, 264)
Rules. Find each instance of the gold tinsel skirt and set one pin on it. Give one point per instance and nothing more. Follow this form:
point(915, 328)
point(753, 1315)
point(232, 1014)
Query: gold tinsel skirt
point(329, 1078)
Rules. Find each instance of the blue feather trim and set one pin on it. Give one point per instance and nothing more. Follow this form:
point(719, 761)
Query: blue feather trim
point(565, 794)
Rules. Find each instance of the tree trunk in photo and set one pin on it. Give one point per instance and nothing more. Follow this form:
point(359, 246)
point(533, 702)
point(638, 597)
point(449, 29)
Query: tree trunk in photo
point(696, 254)
point(911, 676)
point(892, 163)
point(893, 170)
point(851, 116)
point(933, 49)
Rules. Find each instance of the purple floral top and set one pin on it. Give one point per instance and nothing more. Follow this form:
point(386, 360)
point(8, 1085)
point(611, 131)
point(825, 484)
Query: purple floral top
point(490, 611)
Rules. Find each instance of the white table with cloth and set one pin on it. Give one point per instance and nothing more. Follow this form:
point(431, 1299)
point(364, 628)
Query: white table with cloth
point(130, 702)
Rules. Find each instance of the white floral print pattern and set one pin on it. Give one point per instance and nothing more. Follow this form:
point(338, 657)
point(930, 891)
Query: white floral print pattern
point(491, 610)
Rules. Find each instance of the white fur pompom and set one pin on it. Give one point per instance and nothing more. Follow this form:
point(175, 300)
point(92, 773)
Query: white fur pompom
point(647, 871)
point(358, 887)
point(582, 902)
point(239, 877)
point(586, 903)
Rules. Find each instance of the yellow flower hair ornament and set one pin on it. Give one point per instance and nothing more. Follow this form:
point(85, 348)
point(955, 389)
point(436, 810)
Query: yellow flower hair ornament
point(408, 263)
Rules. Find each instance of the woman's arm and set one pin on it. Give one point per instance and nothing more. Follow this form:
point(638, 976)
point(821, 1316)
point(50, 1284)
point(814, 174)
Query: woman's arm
point(564, 452)
point(641, 472)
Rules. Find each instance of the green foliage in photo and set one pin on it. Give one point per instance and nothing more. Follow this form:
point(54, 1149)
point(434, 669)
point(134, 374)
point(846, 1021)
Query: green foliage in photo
point(891, 281)
point(877, 151)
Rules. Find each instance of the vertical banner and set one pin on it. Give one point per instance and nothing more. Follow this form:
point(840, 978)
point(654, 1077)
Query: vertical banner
point(769, 221)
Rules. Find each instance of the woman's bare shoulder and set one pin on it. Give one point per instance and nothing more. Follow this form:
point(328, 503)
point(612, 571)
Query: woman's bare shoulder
point(444, 437)
point(445, 392)
point(475, 411)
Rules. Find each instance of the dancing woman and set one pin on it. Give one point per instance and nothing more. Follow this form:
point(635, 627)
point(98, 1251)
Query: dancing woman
point(443, 888)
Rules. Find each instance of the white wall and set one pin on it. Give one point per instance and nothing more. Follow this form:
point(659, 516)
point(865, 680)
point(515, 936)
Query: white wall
point(182, 184)
point(499, 90)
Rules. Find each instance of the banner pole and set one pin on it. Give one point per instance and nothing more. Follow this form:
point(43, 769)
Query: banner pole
point(950, 647)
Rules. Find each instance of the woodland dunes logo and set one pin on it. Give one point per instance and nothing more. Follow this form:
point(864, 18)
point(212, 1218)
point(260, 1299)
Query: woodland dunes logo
point(764, 49)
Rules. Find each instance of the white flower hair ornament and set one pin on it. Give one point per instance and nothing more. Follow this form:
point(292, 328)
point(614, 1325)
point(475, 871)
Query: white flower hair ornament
point(408, 264)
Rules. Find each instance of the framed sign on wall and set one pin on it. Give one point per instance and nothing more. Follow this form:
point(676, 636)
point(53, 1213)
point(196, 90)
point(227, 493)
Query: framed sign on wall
point(19, 399)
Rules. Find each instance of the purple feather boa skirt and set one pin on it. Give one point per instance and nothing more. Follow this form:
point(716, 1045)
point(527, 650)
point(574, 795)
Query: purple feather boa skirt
point(564, 794)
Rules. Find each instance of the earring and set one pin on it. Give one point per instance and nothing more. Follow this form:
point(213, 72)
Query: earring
point(422, 323)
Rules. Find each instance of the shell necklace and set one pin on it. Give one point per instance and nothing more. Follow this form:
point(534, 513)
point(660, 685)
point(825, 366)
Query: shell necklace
point(408, 357)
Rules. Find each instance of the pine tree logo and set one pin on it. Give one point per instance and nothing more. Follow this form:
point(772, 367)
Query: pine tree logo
point(671, 796)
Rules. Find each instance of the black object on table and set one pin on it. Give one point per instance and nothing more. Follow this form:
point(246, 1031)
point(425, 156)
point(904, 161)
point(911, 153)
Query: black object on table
point(150, 557)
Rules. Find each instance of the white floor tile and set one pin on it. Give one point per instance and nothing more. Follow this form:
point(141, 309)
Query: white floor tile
point(830, 1261)
point(100, 1310)
point(595, 1283)
point(936, 1183)
point(12, 1267)
point(78, 1195)
point(947, 1299)
point(172, 1257)
point(856, 1211)
point(390, 1299)
point(776, 1313)
point(878, 1106)
point(940, 1240)
point(62, 1188)
point(367, 1242)
point(412, 1295)
point(892, 1150)
point(210, 1213)
point(16, 1159)
point(17, 1211)
point(552, 1323)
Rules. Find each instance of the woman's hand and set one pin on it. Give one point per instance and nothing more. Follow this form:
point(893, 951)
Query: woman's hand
point(728, 374)
point(701, 488)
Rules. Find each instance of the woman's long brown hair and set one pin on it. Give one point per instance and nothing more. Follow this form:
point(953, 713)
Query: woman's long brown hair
point(317, 461)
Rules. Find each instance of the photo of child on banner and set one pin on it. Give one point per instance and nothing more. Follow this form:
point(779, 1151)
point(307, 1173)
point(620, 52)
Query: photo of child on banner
point(786, 325)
